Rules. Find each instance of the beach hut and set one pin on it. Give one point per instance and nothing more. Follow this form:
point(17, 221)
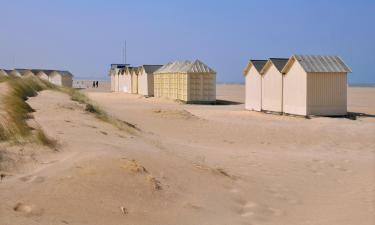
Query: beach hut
point(3, 73)
point(128, 79)
point(253, 84)
point(315, 85)
point(41, 74)
point(25, 72)
point(114, 74)
point(146, 79)
point(134, 80)
point(189, 81)
point(61, 78)
point(272, 85)
point(14, 73)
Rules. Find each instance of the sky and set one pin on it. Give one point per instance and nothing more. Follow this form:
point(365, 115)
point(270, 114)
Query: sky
point(86, 36)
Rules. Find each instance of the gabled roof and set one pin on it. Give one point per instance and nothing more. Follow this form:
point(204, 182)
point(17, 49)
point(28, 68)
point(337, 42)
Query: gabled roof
point(185, 67)
point(22, 71)
point(258, 64)
point(279, 63)
point(150, 68)
point(318, 63)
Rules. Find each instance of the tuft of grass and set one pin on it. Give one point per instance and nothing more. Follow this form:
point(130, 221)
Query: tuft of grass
point(16, 111)
point(99, 113)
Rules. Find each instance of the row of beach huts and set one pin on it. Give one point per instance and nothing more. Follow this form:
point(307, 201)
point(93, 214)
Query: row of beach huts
point(188, 81)
point(57, 77)
point(299, 85)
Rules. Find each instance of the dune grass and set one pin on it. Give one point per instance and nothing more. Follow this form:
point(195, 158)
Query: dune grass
point(15, 111)
point(99, 113)
point(13, 125)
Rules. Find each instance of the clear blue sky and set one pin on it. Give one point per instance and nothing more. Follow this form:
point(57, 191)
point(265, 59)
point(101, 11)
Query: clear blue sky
point(85, 36)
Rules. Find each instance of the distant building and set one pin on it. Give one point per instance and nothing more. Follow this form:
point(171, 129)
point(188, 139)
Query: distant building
point(272, 84)
point(253, 84)
point(189, 81)
point(315, 85)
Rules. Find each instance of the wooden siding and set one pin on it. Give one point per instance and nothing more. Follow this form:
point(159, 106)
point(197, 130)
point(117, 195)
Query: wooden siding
point(295, 91)
point(272, 90)
point(326, 93)
point(253, 84)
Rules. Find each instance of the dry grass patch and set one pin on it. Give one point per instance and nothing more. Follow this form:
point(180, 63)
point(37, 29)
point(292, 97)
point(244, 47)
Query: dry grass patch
point(16, 111)
point(97, 111)
point(217, 171)
point(135, 167)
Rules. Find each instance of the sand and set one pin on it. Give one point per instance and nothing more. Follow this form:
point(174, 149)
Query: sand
point(195, 164)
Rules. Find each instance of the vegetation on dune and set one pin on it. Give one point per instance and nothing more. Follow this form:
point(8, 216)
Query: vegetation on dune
point(96, 110)
point(15, 111)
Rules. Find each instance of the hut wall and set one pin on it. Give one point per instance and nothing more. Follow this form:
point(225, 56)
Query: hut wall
point(143, 84)
point(326, 93)
point(67, 81)
point(201, 87)
point(55, 78)
point(272, 89)
point(253, 82)
point(295, 91)
point(134, 83)
point(42, 75)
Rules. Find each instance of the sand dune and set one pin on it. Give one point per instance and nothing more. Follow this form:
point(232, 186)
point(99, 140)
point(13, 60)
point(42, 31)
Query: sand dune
point(195, 164)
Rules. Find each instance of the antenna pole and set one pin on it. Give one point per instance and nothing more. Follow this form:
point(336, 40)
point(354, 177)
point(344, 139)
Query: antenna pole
point(125, 53)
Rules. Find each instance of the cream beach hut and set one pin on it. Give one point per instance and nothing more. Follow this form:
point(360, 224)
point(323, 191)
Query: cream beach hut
point(61, 78)
point(41, 74)
point(146, 79)
point(128, 79)
point(133, 71)
point(14, 73)
point(272, 85)
point(114, 75)
point(315, 85)
point(253, 84)
point(25, 72)
point(189, 81)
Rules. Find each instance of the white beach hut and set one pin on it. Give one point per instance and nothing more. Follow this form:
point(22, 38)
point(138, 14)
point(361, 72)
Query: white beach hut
point(315, 85)
point(61, 78)
point(146, 79)
point(41, 74)
point(133, 71)
point(272, 85)
point(253, 84)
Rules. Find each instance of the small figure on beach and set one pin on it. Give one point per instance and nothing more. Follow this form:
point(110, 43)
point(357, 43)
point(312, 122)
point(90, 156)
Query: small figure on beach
point(93, 84)
point(97, 84)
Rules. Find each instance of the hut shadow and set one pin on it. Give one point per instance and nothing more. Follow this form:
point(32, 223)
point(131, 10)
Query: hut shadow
point(217, 102)
point(354, 116)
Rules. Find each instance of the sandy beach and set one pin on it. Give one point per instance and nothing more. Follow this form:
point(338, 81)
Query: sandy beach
point(191, 164)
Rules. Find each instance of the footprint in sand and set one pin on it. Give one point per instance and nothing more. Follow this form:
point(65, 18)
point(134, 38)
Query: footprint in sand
point(27, 209)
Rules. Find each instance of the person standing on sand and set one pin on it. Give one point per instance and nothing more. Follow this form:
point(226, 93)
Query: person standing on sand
point(93, 84)
point(97, 84)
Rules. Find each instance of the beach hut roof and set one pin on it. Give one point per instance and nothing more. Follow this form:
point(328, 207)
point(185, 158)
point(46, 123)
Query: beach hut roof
point(279, 63)
point(258, 64)
point(318, 63)
point(150, 68)
point(185, 67)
